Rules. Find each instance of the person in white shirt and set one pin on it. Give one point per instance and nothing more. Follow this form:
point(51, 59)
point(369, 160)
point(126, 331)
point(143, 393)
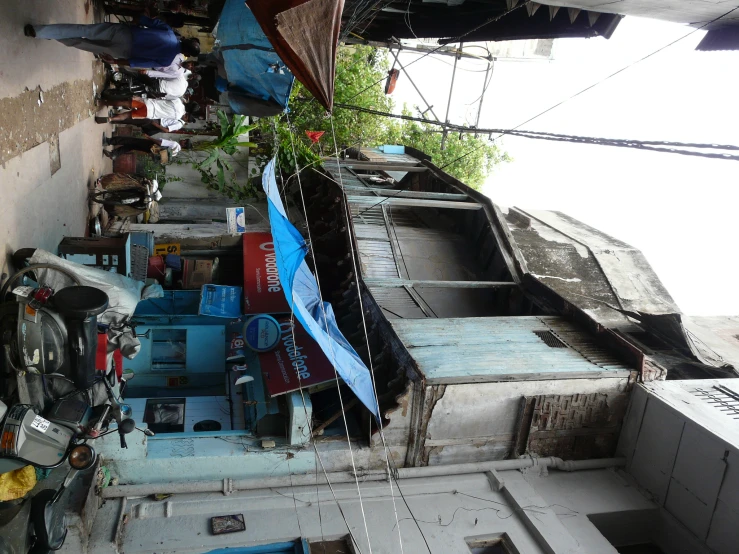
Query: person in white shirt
point(148, 108)
point(173, 88)
point(159, 108)
point(178, 67)
point(176, 88)
point(171, 125)
point(153, 126)
point(146, 145)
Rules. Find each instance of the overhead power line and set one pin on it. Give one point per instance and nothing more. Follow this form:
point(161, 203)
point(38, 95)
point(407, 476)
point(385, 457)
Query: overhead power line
point(632, 64)
point(445, 46)
point(683, 148)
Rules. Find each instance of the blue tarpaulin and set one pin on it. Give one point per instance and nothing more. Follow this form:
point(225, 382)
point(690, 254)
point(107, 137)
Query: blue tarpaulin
point(253, 68)
point(301, 290)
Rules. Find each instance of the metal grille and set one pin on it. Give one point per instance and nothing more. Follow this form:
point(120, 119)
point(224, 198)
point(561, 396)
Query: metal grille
point(139, 261)
point(550, 339)
point(368, 216)
point(722, 398)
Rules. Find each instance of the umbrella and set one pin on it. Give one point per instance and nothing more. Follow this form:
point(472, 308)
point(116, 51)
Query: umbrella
point(297, 29)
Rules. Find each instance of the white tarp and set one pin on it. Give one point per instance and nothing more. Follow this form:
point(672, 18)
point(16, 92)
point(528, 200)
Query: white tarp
point(123, 292)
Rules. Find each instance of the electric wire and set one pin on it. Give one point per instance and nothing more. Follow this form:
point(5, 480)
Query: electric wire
point(310, 426)
point(295, 502)
point(456, 39)
point(366, 335)
point(670, 147)
point(558, 104)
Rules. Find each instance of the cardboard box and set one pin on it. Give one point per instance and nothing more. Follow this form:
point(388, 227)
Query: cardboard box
point(196, 273)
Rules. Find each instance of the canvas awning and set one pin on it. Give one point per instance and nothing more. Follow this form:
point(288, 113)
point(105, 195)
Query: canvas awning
point(305, 34)
point(258, 85)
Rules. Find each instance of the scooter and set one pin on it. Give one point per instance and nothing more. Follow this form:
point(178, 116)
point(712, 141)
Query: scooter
point(50, 346)
point(139, 198)
point(39, 525)
point(29, 438)
point(58, 400)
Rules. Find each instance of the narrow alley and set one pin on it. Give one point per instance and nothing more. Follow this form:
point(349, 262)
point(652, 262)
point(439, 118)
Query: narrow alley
point(50, 145)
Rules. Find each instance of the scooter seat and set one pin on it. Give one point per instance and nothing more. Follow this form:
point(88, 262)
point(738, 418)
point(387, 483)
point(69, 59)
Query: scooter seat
point(80, 303)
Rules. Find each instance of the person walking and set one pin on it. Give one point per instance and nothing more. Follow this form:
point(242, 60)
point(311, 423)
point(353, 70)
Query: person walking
point(179, 66)
point(149, 108)
point(153, 126)
point(152, 43)
point(176, 88)
point(146, 145)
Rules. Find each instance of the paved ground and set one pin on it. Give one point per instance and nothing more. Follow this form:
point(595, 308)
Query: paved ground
point(50, 147)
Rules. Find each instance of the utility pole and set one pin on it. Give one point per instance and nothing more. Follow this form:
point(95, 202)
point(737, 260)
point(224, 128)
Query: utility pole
point(449, 101)
point(440, 50)
point(482, 94)
point(429, 107)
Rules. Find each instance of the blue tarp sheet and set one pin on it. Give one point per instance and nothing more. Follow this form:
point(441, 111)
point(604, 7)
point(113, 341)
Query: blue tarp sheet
point(301, 290)
point(252, 66)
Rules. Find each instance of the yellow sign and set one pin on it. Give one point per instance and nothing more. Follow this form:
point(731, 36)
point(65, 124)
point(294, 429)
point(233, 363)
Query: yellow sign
point(164, 249)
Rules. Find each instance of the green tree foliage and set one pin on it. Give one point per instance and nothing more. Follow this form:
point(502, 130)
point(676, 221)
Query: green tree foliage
point(359, 81)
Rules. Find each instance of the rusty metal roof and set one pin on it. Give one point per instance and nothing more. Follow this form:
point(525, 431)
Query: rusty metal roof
point(484, 349)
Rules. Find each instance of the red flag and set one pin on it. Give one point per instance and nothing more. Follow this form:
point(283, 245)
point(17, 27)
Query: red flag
point(314, 136)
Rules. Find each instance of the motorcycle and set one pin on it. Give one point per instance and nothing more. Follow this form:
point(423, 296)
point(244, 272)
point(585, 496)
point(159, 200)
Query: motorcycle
point(129, 195)
point(54, 401)
point(124, 84)
point(29, 438)
point(38, 525)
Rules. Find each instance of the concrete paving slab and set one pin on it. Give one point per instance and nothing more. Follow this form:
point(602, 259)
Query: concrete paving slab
point(38, 209)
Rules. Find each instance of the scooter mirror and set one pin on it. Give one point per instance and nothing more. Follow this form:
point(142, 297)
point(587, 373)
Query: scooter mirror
point(126, 426)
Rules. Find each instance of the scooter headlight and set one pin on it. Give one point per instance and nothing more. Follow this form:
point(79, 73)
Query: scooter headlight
point(81, 457)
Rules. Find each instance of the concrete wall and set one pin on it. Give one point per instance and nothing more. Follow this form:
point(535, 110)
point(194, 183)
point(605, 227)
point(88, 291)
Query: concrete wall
point(477, 422)
point(537, 514)
point(681, 441)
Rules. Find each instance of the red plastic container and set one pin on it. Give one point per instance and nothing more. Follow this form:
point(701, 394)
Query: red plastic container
point(155, 268)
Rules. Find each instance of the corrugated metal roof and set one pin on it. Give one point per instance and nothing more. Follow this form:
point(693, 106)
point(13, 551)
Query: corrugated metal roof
point(396, 303)
point(502, 348)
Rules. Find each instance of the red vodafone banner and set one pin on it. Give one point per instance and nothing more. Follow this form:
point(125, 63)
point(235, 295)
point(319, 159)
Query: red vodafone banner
point(295, 361)
point(263, 292)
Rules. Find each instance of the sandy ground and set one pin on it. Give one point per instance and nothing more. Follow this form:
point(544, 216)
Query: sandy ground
point(50, 147)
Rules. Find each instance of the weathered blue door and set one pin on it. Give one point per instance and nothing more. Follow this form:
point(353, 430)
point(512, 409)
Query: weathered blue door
point(181, 348)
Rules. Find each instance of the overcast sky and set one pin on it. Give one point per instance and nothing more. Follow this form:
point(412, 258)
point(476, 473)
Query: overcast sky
point(680, 211)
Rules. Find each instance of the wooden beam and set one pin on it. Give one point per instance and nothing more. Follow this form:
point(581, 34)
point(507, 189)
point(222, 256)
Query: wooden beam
point(414, 202)
point(369, 163)
point(385, 283)
point(378, 166)
point(394, 245)
point(394, 193)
